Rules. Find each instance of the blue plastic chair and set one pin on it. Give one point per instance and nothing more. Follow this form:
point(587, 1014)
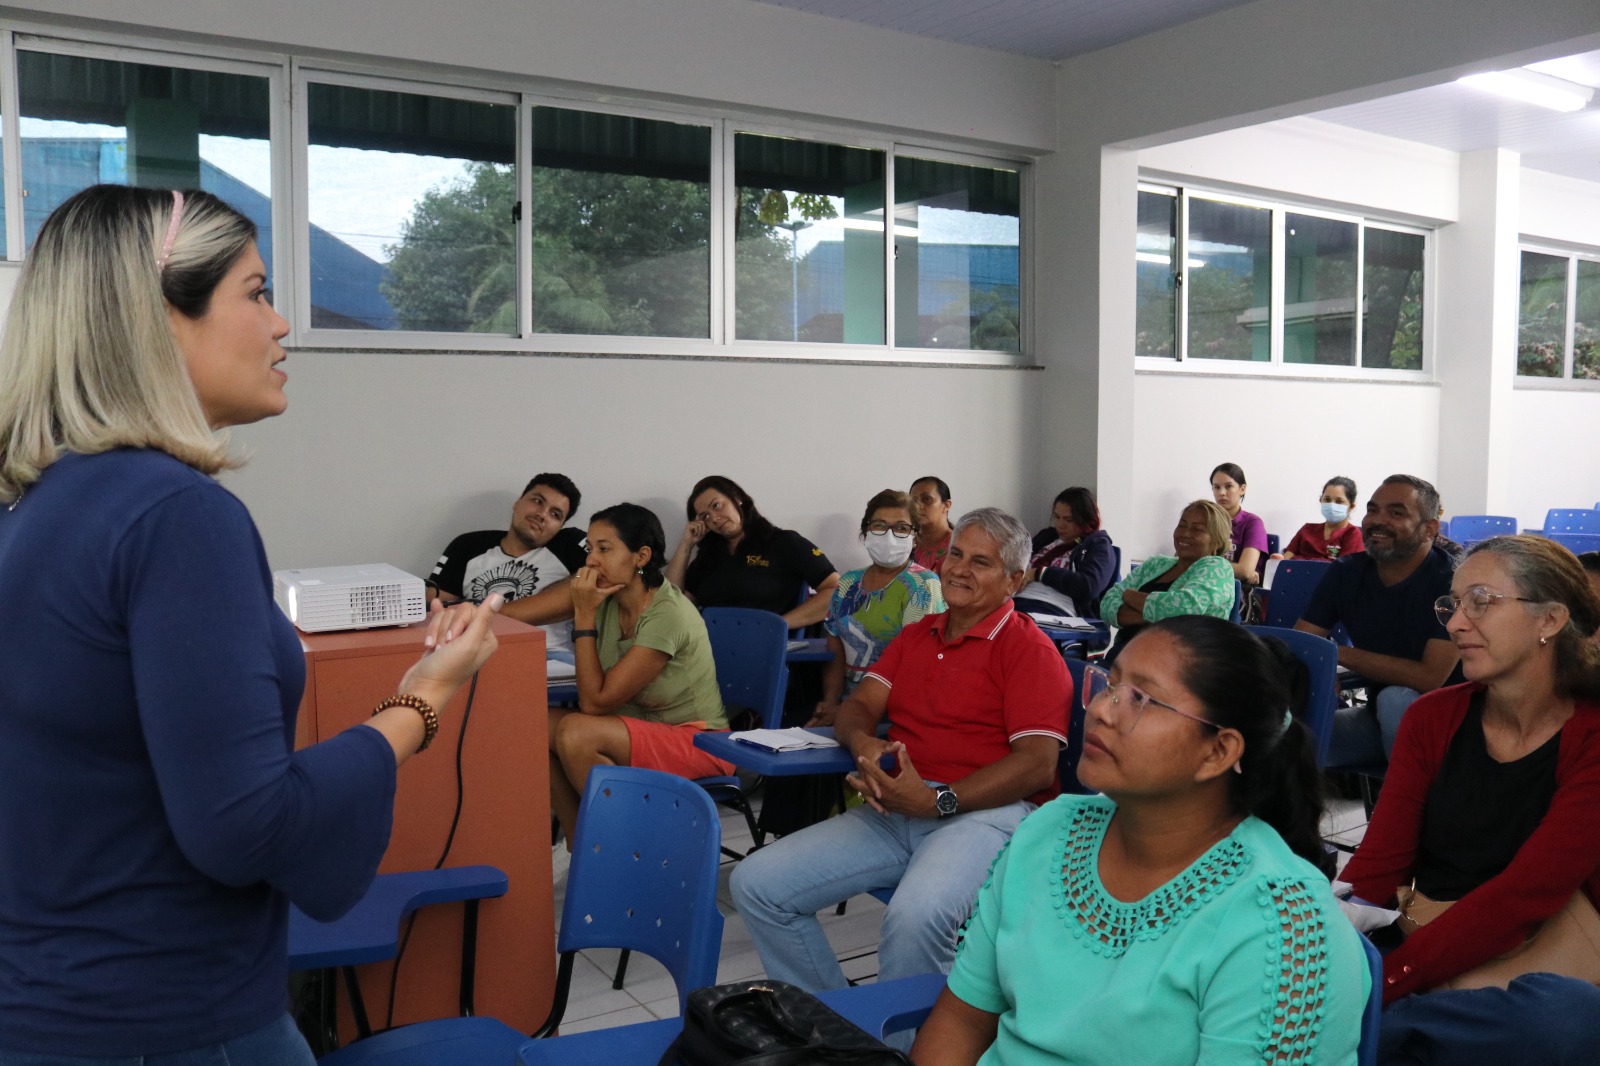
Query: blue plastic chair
point(643, 877)
point(1292, 587)
point(1571, 520)
point(1468, 529)
point(1067, 767)
point(750, 648)
point(1321, 658)
point(1577, 543)
point(370, 932)
point(1367, 1049)
point(1237, 614)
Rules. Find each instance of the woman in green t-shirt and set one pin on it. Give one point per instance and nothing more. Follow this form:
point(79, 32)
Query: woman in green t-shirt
point(1185, 914)
point(646, 680)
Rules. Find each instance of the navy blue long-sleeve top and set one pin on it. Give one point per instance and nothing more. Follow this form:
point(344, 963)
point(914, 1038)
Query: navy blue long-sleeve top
point(155, 820)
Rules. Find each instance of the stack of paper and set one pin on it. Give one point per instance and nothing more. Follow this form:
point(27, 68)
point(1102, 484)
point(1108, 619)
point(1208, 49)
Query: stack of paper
point(557, 671)
point(784, 739)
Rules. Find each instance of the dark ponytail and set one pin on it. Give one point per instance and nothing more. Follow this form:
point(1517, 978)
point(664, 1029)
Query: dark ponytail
point(1252, 686)
point(638, 527)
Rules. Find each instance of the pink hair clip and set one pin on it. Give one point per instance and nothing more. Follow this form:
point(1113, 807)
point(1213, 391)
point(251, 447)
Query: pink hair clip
point(172, 231)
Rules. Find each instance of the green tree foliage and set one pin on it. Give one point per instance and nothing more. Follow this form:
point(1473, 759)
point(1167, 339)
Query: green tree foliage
point(455, 266)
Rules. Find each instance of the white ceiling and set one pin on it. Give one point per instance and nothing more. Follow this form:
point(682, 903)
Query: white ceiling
point(1464, 119)
point(1045, 29)
point(1450, 116)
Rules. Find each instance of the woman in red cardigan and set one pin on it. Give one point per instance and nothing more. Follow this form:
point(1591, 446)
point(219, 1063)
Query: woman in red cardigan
point(1492, 801)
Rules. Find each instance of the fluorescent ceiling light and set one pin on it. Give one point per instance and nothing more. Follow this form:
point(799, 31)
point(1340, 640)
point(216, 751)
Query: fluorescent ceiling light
point(1531, 87)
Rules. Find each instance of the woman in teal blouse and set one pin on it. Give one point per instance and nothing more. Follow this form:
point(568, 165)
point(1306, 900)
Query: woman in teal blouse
point(1185, 916)
point(1195, 579)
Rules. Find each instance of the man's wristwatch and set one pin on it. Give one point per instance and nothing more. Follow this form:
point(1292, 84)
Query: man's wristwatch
point(944, 798)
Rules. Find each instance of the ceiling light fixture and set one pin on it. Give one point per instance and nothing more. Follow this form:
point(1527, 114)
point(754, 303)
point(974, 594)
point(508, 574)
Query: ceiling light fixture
point(1532, 87)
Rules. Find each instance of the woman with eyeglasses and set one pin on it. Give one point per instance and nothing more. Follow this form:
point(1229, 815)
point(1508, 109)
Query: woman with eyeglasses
point(1182, 916)
point(1487, 834)
point(732, 556)
point(1073, 560)
point(872, 605)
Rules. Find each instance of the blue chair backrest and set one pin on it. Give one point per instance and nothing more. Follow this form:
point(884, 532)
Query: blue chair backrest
point(1292, 586)
point(749, 647)
point(1577, 543)
point(1237, 614)
point(1371, 1018)
point(644, 872)
point(1470, 528)
point(1321, 657)
point(1571, 520)
point(1067, 765)
point(1116, 573)
point(1261, 563)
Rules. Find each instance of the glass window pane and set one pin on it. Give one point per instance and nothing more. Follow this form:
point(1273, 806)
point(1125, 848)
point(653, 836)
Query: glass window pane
point(1542, 316)
point(1586, 322)
point(956, 256)
point(410, 199)
point(809, 255)
point(1391, 319)
point(621, 222)
point(1155, 307)
point(87, 121)
point(1319, 290)
point(1227, 281)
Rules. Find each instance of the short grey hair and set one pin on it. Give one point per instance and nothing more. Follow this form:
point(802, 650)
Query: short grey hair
point(1011, 535)
point(1427, 496)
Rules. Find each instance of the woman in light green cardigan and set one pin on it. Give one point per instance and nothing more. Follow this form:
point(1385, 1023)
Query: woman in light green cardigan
point(1196, 579)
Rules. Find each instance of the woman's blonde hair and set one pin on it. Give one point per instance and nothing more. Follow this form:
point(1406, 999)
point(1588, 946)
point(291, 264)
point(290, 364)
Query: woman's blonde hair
point(89, 361)
point(1219, 527)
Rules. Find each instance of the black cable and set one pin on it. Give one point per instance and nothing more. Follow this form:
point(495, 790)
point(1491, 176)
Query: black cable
point(449, 842)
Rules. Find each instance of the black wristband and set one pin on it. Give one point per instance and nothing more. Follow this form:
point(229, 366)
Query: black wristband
point(576, 633)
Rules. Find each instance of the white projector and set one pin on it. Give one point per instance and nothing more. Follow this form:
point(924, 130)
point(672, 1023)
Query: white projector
point(330, 598)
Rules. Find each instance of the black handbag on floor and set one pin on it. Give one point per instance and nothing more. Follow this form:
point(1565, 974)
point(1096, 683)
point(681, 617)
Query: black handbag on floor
point(770, 1023)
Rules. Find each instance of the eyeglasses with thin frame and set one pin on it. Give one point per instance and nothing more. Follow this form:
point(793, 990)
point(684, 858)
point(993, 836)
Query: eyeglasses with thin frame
point(1127, 703)
point(899, 529)
point(1473, 604)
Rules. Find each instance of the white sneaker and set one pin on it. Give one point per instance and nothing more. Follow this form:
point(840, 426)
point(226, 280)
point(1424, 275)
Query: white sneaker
point(560, 860)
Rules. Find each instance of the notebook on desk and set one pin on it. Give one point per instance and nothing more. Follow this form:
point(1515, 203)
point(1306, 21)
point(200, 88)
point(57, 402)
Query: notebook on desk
point(795, 739)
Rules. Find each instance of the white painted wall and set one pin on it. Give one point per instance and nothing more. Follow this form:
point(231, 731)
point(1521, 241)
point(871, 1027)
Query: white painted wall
point(1550, 471)
point(1289, 436)
point(385, 457)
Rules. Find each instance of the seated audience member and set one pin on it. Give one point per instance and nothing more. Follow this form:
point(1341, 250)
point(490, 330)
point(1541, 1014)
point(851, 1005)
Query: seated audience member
point(930, 501)
point(1249, 532)
point(873, 604)
point(743, 560)
point(977, 702)
point(646, 680)
point(1073, 560)
point(1384, 599)
point(1181, 917)
point(1591, 567)
point(1487, 833)
point(1335, 535)
point(537, 552)
point(1195, 579)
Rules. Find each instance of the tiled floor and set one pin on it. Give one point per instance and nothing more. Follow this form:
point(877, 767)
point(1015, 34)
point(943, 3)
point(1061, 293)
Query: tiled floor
point(648, 992)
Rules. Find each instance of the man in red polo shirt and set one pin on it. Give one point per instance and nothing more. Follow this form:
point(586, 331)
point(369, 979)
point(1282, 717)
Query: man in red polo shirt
point(977, 700)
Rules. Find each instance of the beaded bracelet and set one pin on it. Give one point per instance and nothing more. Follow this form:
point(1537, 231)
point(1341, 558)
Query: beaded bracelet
point(430, 717)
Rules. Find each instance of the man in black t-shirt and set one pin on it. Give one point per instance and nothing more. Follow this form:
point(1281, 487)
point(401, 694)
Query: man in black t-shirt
point(536, 552)
point(1384, 598)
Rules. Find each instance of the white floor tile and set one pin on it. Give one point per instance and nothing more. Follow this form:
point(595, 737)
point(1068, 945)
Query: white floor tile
point(625, 1016)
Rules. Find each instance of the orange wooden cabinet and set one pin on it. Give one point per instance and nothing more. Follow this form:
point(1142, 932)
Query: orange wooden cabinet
point(505, 818)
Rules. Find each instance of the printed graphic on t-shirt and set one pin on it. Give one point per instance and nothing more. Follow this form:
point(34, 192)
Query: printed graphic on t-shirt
point(512, 579)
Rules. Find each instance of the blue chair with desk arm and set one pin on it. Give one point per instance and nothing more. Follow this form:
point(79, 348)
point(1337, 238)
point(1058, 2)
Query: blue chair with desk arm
point(643, 877)
point(1292, 586)
point(1321, 658)
point(1468, 529)
point(370, 932)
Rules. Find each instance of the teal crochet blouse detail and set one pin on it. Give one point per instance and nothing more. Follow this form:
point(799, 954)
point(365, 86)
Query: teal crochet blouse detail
point(1241, 958)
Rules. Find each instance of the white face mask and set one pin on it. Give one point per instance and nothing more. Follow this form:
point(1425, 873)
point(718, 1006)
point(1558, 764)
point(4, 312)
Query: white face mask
point(1335, 512)
point(888, 550)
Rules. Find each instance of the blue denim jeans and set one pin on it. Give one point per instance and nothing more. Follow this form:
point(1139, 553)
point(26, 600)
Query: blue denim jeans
point(935, 867)
point(1542, 1018)
point(1364, 734)
point(278, 1043)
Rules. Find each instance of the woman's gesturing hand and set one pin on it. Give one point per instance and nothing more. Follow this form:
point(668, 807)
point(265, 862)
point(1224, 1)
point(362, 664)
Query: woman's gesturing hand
point(458, 642)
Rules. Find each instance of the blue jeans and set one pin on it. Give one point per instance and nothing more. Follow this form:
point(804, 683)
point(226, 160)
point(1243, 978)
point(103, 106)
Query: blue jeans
point(1542, 1018)
point(1364, 734)
point(935, 867)
point(277, 1043)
